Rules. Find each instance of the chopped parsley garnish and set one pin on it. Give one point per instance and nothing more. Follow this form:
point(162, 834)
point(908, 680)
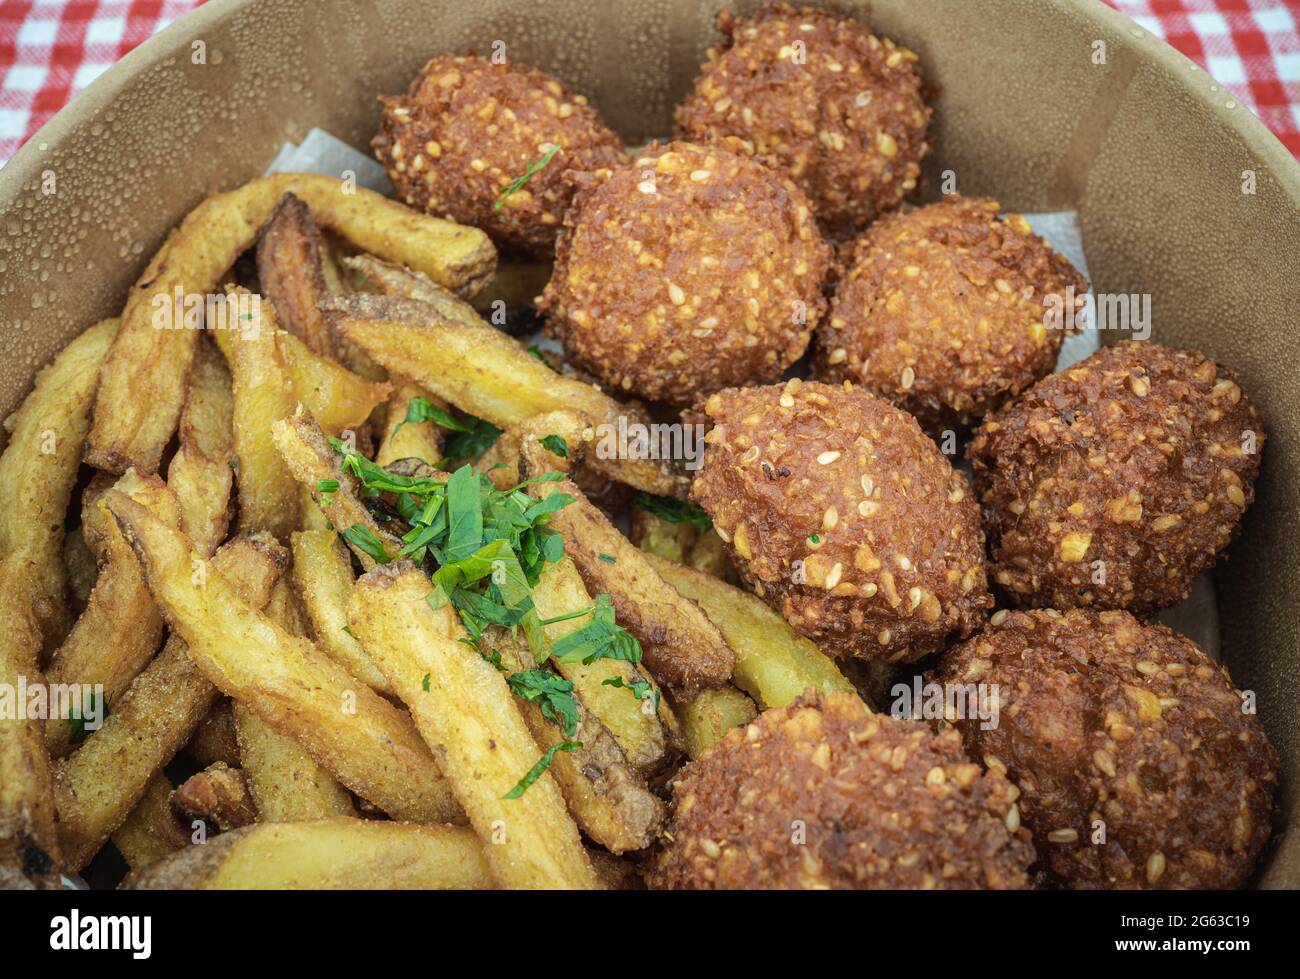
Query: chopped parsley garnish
point(641, 689)
point(424, 684)
point(326, 488)
point(814, 539)
point(553, 694)
point(555, 445)
point(601, 638)
point(608, 558)
point(473, 441)
point(542, 765)
point(77, 722)
point(674, 511)
point(537, 352)
point(420, 409)
point(517, 184)
point(363, 539)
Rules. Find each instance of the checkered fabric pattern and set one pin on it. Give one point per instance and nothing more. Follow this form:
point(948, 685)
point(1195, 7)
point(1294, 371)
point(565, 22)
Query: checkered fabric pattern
point(52, 49)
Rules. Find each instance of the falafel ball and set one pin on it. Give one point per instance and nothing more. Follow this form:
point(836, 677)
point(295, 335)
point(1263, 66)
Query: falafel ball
point(942, 311)
point(825, 794)
point(468, 128)
point(844, 517)
point(693, 269)
point(840, 110)
point(1116, 482)
point(1110, 726)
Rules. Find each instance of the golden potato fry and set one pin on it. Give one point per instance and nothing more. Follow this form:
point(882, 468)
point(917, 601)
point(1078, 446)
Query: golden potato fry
point(604, 685)
point(322, 576)
point(682, 647)
point(215, 739)
point(152, 831)
point(98, 785)
point(346, 854)
point(284, 781)
point(607, 796)
point(263, 394)
point(219, 796)
point(708, 716)
point(310, 460)
point(290, 274)
point(143, 385)
point(409, 439)
point(121, 629)
point(199, 474)
point(465, 711)
point(655, 535)
point(774, 664)
point(82, 571)
point(37, 474)
point(365, 742)
point(484, 372)
point(709, 554)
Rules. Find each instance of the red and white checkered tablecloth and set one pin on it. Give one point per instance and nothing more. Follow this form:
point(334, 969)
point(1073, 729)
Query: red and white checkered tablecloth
point(52, 49)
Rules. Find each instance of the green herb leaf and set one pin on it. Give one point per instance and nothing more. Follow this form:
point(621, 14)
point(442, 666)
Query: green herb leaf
point(363, 538)
point(517, 184)
point(552, 693)
point(608, 558)
point(641, 689)
point(473, 442)
point(464, 515)
point(542, 765)
point(424, 684)
point(674, 511)
point(602, 638)
point(555, 445)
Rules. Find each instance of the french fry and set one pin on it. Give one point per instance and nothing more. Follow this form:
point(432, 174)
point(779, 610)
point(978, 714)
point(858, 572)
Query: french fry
point(607, 796)
point(682, 647)
point(655, 535)
point(217, 795)
point(707, 717)
point(121, 629)
point(322, 576)
point(464, 710)
point(152, 831)
point(409, 440)
point(263, 394)
point(638, 730)
point(144, 378)
point(199, 474)
point(397, 280)
point(37, 474)
point(774, 664)
point(363, 740)
point(82, 571)
point(285, 782)
point(309, 458)
point(215, 739)
point(484, 372)
point(346, 854)
point(289, 271)
point(98, 785)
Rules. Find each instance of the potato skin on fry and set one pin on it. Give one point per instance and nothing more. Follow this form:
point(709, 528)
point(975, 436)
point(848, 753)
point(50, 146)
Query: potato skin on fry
point(825, 794)
point(845, 518)
point(290, 276)
point(466, 128)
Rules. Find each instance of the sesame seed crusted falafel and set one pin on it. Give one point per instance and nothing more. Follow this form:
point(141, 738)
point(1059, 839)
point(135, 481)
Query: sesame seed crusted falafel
point(1112, 727)
point(845, 518)
point(693, 269)
point(825, 794)
point(834, 106)
point(467, 128)
point(942, 311)
point(1116, 482)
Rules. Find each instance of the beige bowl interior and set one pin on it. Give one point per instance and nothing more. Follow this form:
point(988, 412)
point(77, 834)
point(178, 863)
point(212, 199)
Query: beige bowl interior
point(1146, 147)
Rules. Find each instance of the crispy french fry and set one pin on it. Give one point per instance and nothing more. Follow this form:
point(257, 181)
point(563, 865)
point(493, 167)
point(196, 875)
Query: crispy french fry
point(709, 554)
point(465, 711)
point(81, 569)
point(37, 473)
point(312, 462)
point(218, 795)
point(199, 474)
point(484, 372)
point(682, 647)
point(774, 664)
point(638, 729)
point(263, 394)
point(143, 384)
point(285, 782)
point(98, 785)
point(120, 630)
point(409, 440)
point(655, 535)
point(215, 739)
point(707, 717)
point(607, 796)
point(152, 831)
point(322, 576)
point(290, 273)
point(365, 742)
point(346, 854)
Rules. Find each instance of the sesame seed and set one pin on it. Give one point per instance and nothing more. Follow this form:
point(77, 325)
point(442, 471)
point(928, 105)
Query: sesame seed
point(833, 578)
point(903, 562)
point(646, 186)
point(826, 458)
point(1013, 818)
point(908, 378)
point(787, 401)
point(1063, 835)
point(868, 508)
point(998, 617)
point(699, 176)
point(675, 294)
point(1155, 867)
point(830, 518)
